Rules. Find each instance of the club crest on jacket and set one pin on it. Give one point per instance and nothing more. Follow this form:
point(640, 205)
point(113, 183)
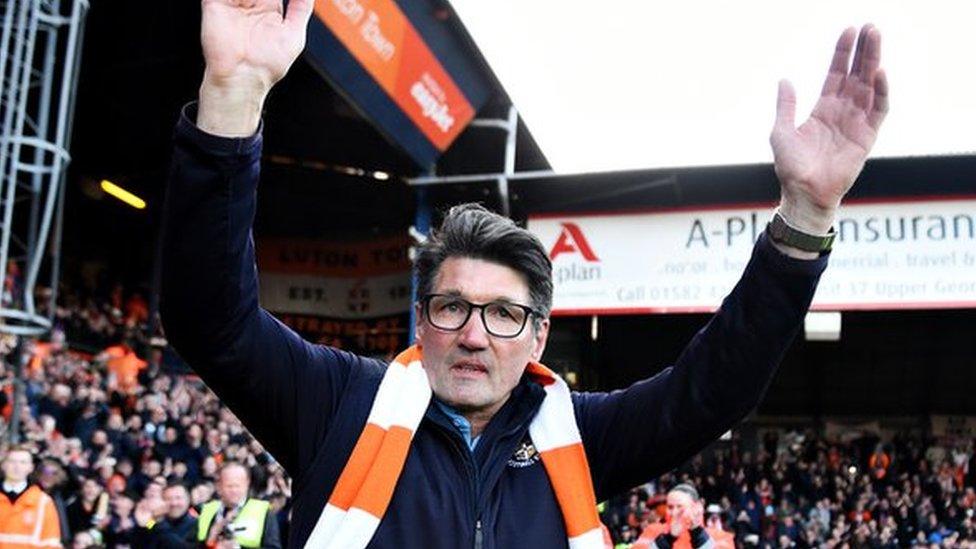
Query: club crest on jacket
point(525, 455)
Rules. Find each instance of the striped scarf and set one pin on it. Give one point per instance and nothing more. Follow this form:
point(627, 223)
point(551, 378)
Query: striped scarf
point(365, 488)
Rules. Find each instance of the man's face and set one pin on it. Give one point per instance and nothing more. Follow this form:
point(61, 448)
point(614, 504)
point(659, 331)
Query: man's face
point(470, 369)
point(177, 501)
point(154, 490)
point(201, 494)
point(158, 415)
point(152, 468)
point(90, 490)
point(17, 465)
point(99, 438)
point(122, 505)
point(679, 503)
point(232, 486)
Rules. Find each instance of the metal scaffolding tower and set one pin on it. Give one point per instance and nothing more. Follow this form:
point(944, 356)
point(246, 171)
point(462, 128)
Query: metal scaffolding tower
point(40, 47)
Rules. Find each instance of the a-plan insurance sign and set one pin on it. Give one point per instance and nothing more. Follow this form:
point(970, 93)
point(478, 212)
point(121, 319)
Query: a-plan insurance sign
point(897, 254)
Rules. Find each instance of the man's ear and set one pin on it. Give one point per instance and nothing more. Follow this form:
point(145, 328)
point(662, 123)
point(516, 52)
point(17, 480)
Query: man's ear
point(418, 325)
point(539, 338)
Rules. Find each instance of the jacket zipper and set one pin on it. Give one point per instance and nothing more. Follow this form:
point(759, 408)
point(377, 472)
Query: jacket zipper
point(467, 458)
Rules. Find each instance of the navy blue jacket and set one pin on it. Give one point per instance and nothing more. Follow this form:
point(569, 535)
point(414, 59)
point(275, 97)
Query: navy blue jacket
point(308, 403)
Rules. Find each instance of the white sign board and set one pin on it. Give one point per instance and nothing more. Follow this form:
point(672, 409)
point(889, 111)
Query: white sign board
point(353, 279)
point(888, 255)
point(365, 297)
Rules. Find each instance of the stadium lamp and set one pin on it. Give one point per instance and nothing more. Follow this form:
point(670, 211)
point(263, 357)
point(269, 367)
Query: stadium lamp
point(123, 195)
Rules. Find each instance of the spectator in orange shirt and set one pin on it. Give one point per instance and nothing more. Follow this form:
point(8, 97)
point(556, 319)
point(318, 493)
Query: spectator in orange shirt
point(123, 367)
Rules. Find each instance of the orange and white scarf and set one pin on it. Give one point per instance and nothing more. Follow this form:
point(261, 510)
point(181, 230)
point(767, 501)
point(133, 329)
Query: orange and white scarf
point(365, 488)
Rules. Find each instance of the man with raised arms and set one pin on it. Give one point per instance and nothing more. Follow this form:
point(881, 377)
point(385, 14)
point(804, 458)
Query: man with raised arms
point(466, 440)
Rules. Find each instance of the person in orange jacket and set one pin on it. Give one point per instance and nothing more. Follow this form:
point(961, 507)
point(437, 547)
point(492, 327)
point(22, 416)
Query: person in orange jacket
point(123, 366)
point(684, 528)
point(879, 462)
point(28, 517)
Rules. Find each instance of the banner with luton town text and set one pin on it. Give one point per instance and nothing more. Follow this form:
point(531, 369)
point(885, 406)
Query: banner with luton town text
point(895, 254)
point(402, 67)
point(353, 295)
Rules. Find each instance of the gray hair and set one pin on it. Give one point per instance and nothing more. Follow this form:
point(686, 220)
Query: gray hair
point(470, 230)
point(686, 488)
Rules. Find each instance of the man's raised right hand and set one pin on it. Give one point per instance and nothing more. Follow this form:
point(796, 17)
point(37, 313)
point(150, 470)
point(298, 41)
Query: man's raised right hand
point(248, 45)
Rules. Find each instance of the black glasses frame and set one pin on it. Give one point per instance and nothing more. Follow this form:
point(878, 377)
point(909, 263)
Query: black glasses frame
point(529, 312)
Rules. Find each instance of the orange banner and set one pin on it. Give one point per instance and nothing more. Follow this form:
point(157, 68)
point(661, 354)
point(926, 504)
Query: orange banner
point(386, 44)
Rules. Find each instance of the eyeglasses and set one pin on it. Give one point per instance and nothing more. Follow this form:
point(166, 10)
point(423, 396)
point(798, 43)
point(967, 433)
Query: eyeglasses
point(500, 318)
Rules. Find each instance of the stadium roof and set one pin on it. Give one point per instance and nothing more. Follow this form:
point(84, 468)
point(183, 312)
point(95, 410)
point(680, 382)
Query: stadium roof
point(142, 61)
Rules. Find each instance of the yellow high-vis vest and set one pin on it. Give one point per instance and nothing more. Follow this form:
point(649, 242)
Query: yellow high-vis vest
point(248, 526)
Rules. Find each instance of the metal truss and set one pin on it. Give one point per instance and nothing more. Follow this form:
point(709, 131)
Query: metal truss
point(509, 126)
point(40, 47)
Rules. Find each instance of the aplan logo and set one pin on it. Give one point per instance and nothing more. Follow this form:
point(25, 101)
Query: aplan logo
point(572, 241)
point(433, 102)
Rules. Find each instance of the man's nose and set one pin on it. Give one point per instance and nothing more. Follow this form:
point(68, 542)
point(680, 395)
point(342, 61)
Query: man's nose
point(474, 335)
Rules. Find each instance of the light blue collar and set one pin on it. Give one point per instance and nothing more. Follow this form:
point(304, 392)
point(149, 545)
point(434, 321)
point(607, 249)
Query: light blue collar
point(460, 422)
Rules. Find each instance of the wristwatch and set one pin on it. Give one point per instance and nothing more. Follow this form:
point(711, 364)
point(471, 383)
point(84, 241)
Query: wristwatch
point(782, 233)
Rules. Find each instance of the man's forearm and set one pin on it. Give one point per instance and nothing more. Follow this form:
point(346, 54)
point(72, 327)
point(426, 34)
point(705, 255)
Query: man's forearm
point(209, 282)
point(719, 377)
point(230, 109)
point(808, 218)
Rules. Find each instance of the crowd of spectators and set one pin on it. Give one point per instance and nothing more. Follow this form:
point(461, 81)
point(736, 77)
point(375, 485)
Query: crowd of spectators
point(112, 425)
point(799, 490)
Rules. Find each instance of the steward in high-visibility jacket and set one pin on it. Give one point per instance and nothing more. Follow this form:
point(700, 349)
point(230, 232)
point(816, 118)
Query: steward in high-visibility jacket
point(28, 519)
point(253, 524)
point(249, 522)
